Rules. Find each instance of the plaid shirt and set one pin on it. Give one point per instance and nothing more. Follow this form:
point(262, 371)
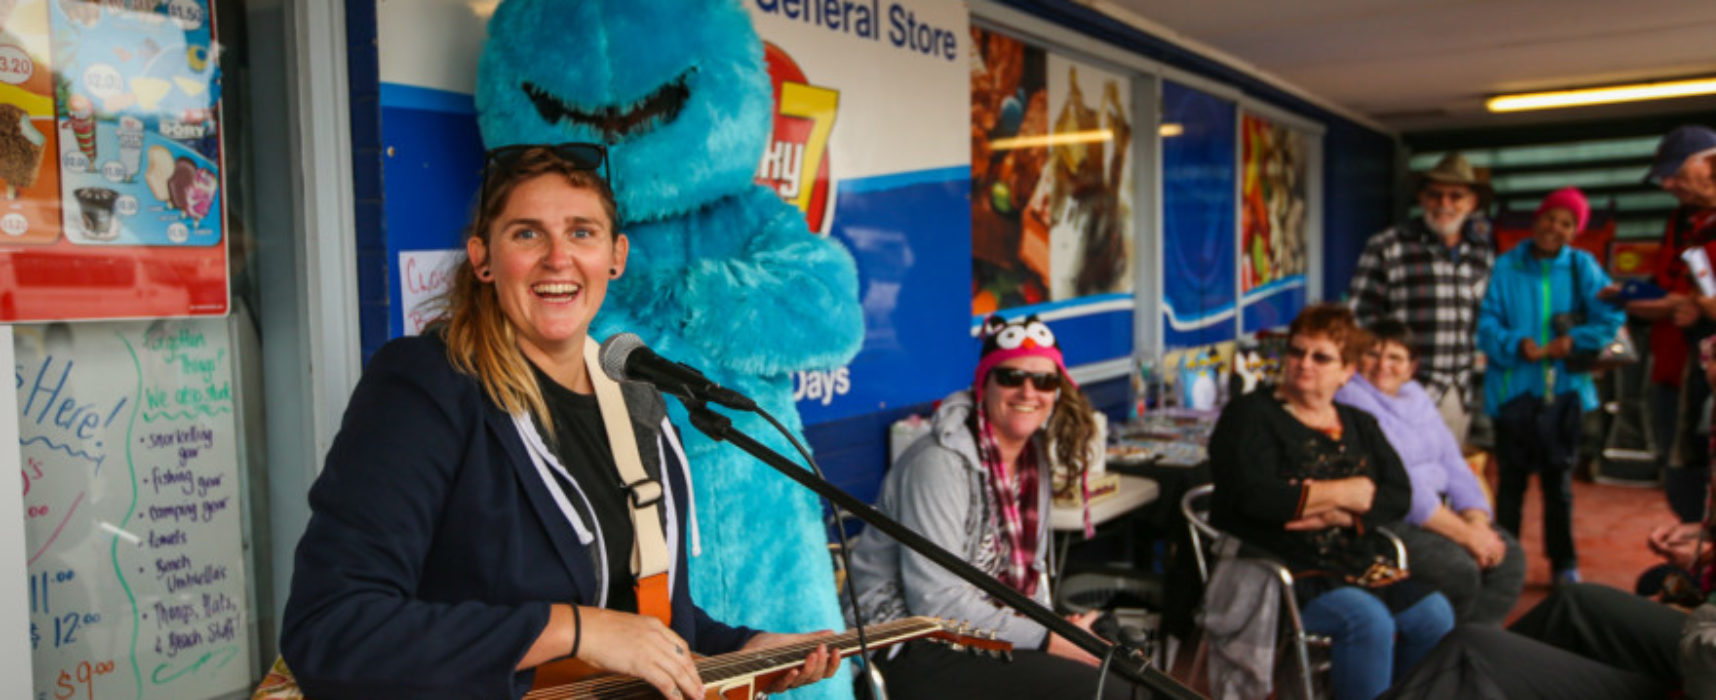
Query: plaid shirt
point(1407, 273)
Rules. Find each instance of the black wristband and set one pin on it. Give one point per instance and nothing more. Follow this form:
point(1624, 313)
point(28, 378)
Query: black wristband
point(577, 631)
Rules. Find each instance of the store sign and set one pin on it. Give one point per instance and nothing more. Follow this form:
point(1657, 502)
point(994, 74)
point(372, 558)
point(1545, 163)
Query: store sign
point(871, 142)
point(111, 161)
point(796, 163)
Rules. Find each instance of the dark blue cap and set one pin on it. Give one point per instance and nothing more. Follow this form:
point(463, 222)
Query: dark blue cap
point(1680, 144)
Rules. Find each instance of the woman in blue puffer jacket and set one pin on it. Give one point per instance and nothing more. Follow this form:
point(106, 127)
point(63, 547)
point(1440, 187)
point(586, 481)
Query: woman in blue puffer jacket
point(1542, 311)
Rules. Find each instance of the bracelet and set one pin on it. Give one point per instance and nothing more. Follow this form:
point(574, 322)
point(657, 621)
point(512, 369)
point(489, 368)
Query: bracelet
point(577, 631)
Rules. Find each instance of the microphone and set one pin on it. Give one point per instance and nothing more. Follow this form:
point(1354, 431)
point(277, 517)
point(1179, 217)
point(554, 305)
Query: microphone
point(625, 357)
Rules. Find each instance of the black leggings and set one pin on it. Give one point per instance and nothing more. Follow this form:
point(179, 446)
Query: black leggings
point(1519, 454)
point(926, 671)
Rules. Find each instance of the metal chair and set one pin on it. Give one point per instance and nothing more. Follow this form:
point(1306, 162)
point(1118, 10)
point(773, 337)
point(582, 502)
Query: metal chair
point(1311, 673)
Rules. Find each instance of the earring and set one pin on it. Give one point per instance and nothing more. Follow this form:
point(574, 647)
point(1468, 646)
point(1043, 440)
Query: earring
point(613, 272)
point(484, 274)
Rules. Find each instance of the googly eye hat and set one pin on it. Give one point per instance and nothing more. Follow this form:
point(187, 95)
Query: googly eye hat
point(1004, 340)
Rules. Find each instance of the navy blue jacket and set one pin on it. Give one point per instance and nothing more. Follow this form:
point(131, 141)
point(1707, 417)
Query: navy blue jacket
point(434, 549)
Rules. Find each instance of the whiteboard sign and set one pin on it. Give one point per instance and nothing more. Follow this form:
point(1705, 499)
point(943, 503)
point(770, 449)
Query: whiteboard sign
point(136, 577)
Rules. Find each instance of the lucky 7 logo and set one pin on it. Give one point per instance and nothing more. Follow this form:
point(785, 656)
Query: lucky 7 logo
point(796, 161)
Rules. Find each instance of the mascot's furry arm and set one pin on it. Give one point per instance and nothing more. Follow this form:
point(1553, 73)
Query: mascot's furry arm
point(746, 285)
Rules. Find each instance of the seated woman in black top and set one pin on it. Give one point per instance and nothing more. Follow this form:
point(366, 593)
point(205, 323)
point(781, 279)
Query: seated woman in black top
point(1309, 481)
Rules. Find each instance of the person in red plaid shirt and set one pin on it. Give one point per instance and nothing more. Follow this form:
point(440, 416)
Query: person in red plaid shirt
point(1430, 273)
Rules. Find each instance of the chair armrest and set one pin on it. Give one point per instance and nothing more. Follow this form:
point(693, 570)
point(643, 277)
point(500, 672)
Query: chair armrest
point(1399, 548)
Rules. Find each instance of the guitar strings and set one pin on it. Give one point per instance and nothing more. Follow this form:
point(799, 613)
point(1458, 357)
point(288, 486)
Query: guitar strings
point(719, 669)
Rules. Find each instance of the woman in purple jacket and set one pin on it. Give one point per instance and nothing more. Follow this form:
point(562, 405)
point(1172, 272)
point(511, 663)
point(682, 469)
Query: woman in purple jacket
point(1448, 534)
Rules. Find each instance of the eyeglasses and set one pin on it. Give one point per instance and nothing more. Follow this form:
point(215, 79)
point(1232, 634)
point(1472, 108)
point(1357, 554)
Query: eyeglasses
point(1453, 194)
point(1322, 358)
point(1012, 378)
point(499, 162)
point(1393, 356)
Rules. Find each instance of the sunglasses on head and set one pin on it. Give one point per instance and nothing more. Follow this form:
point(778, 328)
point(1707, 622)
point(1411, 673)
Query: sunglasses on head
point(1322, 358)
point(500, 162)
point(1011, 378)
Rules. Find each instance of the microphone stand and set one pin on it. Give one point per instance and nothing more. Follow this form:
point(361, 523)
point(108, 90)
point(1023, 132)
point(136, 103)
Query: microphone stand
point(1129, 661)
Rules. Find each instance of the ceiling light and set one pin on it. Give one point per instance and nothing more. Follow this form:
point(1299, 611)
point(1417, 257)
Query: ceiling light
point(1061, 139)
point(1169, 130)
point(1604, 95)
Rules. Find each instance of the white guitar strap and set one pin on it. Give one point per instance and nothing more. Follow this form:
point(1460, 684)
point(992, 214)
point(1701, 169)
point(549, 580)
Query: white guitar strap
point(649, 549)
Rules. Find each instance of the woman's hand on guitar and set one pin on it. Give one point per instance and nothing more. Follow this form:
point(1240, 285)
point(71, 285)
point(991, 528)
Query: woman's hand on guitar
point(822, 662)
point(641, 647)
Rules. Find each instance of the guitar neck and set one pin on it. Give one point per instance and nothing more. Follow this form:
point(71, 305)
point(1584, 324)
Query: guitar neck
point(742, 664)
point(727, 670)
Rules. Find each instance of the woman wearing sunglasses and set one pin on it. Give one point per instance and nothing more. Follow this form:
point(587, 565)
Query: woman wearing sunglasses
point(1309, 481)
point(475, 523)
point(978, 485)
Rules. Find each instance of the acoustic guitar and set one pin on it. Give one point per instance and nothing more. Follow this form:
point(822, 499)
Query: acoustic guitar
point(738, 675)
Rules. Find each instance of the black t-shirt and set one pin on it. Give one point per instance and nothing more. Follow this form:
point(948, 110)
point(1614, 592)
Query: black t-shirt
point(580, 441)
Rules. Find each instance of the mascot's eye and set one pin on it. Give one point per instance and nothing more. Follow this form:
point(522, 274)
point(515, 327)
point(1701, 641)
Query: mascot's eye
point(1010, 337)
point(1040, 333)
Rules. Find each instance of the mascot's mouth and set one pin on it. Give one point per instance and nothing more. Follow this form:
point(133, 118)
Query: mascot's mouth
point(615, 123)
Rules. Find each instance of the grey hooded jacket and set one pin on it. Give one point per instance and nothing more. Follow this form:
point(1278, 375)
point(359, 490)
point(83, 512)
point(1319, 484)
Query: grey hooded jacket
point(940, 489)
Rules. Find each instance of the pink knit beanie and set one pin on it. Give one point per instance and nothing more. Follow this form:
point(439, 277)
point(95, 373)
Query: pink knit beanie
point(1571, 199)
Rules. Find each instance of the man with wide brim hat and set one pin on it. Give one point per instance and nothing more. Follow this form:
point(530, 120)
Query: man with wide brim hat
point(1430, 272)
point(1454, 170)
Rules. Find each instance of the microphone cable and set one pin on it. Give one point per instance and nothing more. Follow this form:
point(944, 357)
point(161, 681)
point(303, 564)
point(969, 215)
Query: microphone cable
point(845, 551)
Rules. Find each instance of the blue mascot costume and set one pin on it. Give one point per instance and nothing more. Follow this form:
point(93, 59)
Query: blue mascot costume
point(723, 274)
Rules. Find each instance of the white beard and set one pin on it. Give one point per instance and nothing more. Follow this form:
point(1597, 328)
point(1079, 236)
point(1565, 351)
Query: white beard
point(1452, 229)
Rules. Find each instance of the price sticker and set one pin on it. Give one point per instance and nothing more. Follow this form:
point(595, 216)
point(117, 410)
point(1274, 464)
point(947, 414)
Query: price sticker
point(113, 171)
point(75, 161)
point(103, 81)
point(126, 205)
point(178, 233)
point(15, 65)
point(14, 224)
point(188, 14)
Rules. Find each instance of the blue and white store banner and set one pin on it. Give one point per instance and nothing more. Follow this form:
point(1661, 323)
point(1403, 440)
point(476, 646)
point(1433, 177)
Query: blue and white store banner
point(1199, 183)
point(872, 141)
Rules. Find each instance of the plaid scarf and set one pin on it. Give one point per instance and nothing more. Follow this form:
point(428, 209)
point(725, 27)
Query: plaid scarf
point(1016, 498)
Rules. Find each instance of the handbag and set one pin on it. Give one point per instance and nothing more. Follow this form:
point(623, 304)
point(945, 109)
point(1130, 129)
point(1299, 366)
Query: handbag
point(1619, 350)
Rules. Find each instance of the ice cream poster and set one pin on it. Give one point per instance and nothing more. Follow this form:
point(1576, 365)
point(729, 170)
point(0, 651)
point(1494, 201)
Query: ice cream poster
point(1050, 180)
point(30, 210)
point(139, 147)
point(110, 161)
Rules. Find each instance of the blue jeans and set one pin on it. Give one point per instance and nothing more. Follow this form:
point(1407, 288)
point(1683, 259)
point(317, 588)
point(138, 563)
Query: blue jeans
point(1369, 644)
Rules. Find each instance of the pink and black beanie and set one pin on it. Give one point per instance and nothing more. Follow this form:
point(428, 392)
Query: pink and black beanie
point(1004, 340)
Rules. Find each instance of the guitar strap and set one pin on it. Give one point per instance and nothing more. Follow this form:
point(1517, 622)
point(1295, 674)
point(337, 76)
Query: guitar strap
point(649, 548)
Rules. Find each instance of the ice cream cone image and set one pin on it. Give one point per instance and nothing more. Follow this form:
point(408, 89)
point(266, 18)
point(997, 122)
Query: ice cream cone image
point(81, 112)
